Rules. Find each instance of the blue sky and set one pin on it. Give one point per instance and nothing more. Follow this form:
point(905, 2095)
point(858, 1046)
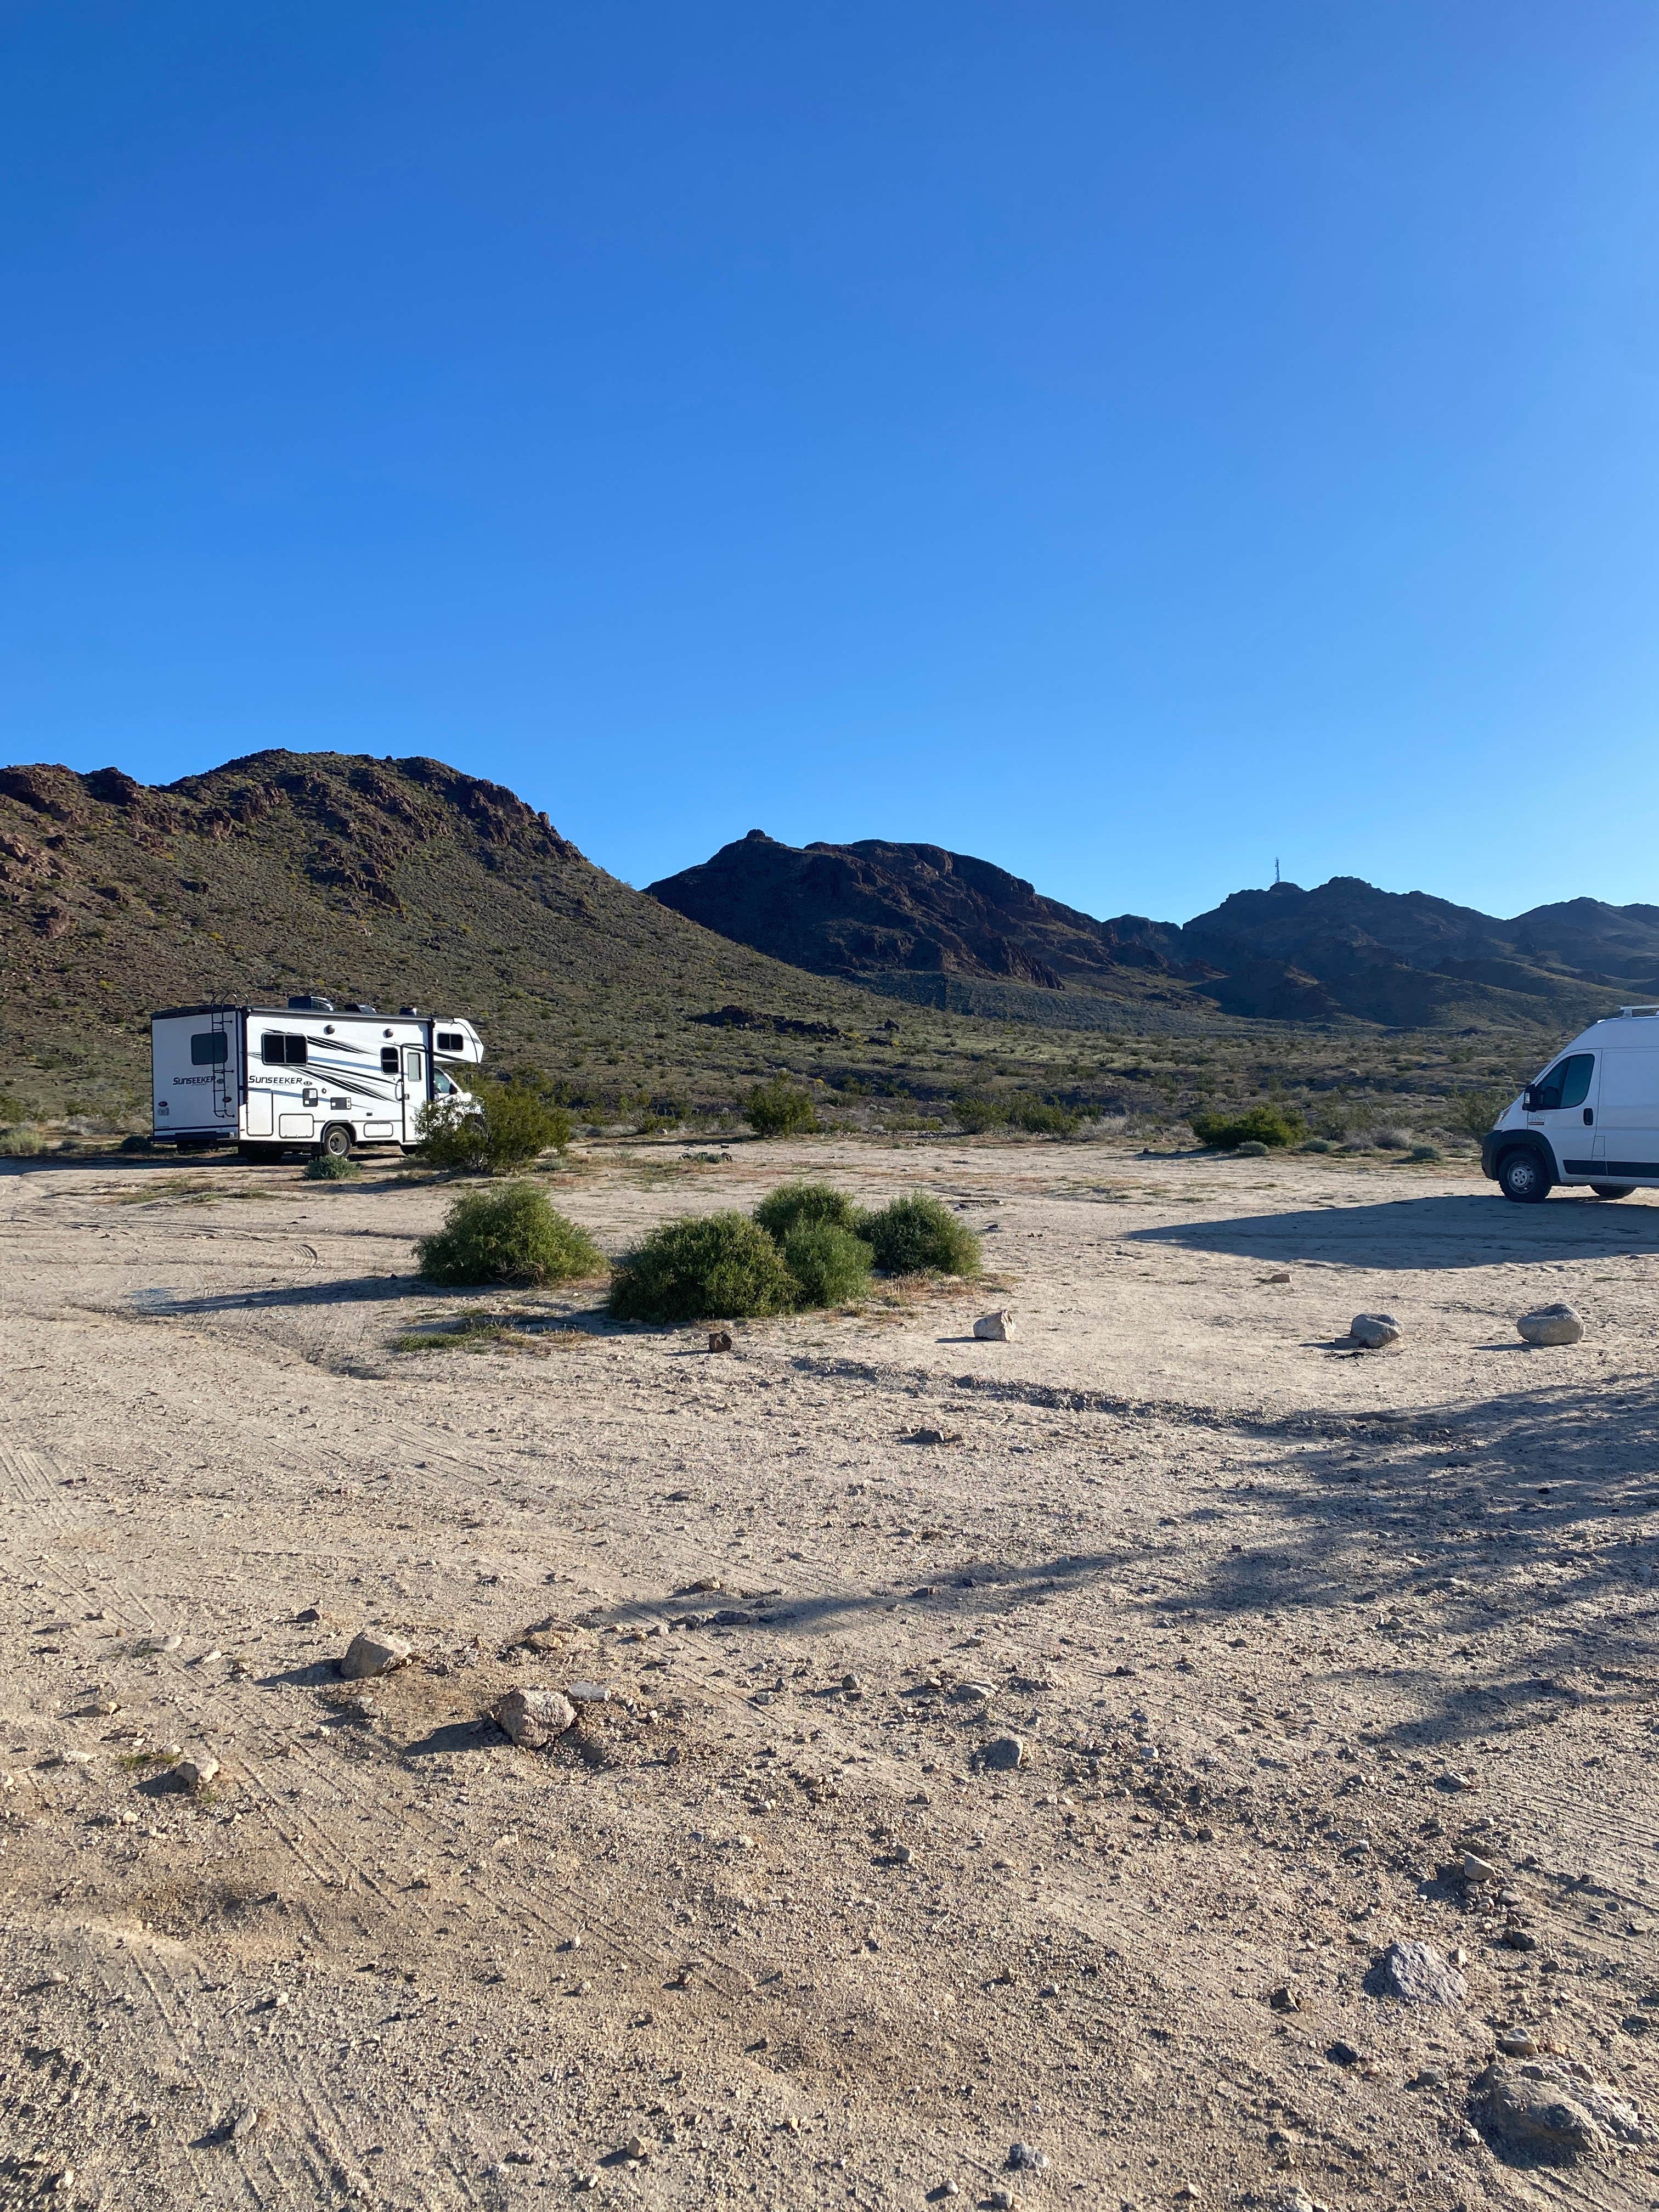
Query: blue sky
point(1132, 443)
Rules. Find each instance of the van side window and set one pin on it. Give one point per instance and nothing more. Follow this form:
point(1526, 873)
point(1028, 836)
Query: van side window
point(208, 1049)
point(278, 1050)
point(1567, 1083)
point(388, 1060)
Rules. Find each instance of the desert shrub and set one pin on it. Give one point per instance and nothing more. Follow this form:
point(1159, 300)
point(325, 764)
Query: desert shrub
point(1319, 1145)
point(1424, 1152)
point(137, 1144)
point(1472, 1113)
point(21, 1144)
point(1251, 1149)
point(711, 1267)
point(916, 1236)
point(1388, 1140)
point(794, 1205)
point(1039, 1118)
point(828, 1264)
point(501, 1129)
point(1271, 1126)
point(326, 1169)
point(976, 1115)
point(511, 1236)
point(778, 1109)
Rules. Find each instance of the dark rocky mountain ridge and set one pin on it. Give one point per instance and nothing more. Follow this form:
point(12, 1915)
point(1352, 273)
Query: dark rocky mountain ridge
point(386, 880)
point(916, 920)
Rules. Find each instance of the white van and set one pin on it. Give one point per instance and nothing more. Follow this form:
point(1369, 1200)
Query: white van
point(1591, 1117)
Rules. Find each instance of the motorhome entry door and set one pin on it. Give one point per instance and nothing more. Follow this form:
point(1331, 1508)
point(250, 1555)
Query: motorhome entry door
point(414, 1091)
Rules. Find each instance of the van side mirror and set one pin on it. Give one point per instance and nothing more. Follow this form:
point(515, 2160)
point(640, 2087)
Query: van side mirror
point(1529, 1099)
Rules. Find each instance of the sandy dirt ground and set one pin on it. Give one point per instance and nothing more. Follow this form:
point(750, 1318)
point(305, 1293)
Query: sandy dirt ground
point(1284, 1630)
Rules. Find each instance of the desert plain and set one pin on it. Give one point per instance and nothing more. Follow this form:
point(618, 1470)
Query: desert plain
point(1303, 1652)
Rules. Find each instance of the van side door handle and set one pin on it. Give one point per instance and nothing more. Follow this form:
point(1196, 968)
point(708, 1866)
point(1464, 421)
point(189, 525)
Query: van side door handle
point(1589, 1117)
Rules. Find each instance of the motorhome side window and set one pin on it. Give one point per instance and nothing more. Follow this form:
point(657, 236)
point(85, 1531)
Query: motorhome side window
point(1567, 1083)
point(208, 1049)
point(279, 1048)
point(388, 1060)
point(451, 1041)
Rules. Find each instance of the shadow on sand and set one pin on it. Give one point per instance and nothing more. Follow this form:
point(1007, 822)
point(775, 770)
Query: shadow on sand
point(1480, 1231)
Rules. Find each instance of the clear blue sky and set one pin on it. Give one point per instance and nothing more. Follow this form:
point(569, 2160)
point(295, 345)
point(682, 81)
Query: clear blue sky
point(1131, 442)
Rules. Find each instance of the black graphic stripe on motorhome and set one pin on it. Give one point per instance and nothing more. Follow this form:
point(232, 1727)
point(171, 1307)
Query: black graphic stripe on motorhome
point(328, 1080)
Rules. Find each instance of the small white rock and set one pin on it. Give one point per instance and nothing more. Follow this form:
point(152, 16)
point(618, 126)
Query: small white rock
point(996, 1327)
point(1374, 1332)
point(195, 1774)
point(1550, 1325)
point(370, 1653)
point(534, 1717)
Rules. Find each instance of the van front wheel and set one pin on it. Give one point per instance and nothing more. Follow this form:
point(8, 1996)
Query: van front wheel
point(1523, 1178)
point(337, 1142)
point(1612, 1189)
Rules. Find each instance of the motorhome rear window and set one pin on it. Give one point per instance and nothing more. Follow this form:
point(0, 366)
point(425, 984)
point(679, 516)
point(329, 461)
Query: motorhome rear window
point(279, 1048)
point(208, 1049)
point(451, 1041)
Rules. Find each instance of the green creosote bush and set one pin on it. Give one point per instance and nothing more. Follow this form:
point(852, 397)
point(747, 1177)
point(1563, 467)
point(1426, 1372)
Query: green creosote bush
point(1472, 1113)
point(326, 1169)
point(919, 1236)
point(778, 1109)
point(503, 1128)
point(794, 1205)
point(713, 1266)
point(1039, 1118)
point(1271, 1126)
point(1035, 1116)
point(976, 1115)
point(828, 1264)
point(511, 1236)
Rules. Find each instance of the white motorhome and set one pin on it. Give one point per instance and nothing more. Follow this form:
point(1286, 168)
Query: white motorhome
point(1592, 1117)
point(308, 1075)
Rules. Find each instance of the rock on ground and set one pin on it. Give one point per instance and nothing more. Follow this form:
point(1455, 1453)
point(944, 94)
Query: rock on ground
point(534, 1717)
point(1373, 1331)
point(1558, 1324)
point(996, 1327)
point(1418, 1974)
point(1003, 1753)
point(1552, 2112)
point(370, 1654)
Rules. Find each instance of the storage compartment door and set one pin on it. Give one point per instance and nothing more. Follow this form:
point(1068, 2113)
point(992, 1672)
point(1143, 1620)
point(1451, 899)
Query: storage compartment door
point(259, 1114)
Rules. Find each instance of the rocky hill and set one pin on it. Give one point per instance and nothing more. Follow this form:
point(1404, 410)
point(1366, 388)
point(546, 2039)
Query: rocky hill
point(922, 923)
point(391, 881)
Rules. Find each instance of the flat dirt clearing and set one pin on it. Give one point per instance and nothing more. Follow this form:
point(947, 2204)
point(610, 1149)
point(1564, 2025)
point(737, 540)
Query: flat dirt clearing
point(1284, 1630)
